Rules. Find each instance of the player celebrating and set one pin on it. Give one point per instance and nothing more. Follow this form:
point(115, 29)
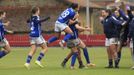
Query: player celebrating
point(3, 42)
point(122, 34)
point(131, 31)
point(62, 22)
point(73, 44)
point(35, 37)
point(76, 29)
point(109, 24)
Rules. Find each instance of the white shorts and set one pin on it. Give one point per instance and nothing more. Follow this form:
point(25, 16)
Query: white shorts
point(37, 40)
point(4, 42)
point(60, 26)
point(111, 41)
point(131, 44)
point(73, 43)
point(118, 42)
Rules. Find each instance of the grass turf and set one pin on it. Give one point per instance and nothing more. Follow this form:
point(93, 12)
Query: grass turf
point(13, 64)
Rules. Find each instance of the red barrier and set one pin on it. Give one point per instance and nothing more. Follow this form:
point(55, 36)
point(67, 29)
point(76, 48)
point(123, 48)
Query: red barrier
point(23, 40)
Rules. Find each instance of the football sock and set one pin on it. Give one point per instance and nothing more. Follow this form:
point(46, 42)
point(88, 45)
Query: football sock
point(52, 39)
point(40, 56)
point(2, 54)
point(75, 54)
point(29, 57)
point(86, 55)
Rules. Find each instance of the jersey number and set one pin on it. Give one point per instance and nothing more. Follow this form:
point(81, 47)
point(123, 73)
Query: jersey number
point(65, 14)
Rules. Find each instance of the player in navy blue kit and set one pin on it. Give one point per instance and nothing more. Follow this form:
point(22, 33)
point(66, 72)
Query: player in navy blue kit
point(109, 24)
point(76, 43)
point(120, 15)
point(65, 18)
point(35, 37)
point(3, 42)
point(76, 29)
point(122, 30)
point(130, 13)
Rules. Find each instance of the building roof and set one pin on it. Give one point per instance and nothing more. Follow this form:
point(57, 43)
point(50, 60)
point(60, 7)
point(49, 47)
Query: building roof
point(100, 3)
point(83, 3)
point(119, 3)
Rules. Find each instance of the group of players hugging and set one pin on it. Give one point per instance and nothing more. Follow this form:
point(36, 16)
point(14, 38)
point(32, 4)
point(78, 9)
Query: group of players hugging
point(118, 29)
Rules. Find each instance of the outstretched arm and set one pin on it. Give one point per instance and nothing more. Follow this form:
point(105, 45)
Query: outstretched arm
point(6, 23)
point(45, 19)
point(81, 29)
point(8, 31)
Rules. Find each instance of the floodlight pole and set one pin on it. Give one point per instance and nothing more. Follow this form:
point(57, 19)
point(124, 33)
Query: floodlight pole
point(87, 14)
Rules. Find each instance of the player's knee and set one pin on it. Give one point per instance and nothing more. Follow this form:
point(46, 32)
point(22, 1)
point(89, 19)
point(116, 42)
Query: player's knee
point(74, 50)
point(45, 49)
point(72, 34)
point(8, 50)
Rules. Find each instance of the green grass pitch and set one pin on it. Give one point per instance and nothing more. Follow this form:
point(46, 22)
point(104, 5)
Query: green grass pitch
point(13, 63)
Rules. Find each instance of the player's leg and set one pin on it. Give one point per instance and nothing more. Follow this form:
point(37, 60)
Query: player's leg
point(69, 32)
point(30, 55)
point(69, 35)
point(75, 54)
point(131, 50)
point(41, 42)
point(110, 60)
point(86, 55)
point(41, 55)
point(63, 64)
point(70, 45)
point(54, 38)
point(119, 48)
point(122, 40)
point(114, 54)
point(31, 52)
point(6, 46)
point(59, 27)
point(113, 48)
point(81, 65)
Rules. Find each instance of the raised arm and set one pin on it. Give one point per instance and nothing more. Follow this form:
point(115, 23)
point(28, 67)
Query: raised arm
point(123, 15)
point(117, 22)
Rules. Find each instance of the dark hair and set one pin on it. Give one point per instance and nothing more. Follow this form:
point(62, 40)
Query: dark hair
point(34, 10)
point(2, 12)
point(108, 11)
point(74, 5)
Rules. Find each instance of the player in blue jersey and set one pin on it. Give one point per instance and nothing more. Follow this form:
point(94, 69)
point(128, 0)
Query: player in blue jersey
point(76, 42)
point(65, 18)
point(3, 42)
point(35, 37)
point(76, 29)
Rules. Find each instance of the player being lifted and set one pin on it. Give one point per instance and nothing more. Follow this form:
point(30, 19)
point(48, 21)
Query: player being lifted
point(62, 22)
point(3, 42)
point(35, 37)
